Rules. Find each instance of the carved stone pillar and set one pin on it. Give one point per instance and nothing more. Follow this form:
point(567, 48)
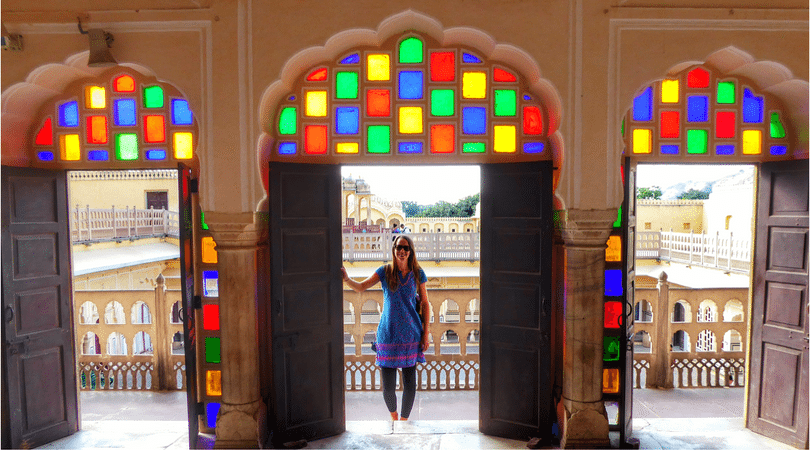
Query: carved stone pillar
point(241, 422)
point(585, 423)
point(663, 373)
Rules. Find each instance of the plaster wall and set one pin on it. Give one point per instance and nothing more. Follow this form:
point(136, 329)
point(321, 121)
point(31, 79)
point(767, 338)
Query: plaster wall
point(670, 214)
point(105, 194)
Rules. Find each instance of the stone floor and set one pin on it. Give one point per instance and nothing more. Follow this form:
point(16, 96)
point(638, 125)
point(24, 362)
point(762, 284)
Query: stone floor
point(675, 419)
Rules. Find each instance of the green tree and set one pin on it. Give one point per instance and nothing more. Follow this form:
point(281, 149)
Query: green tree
point(463, 208)
point(411, 209)
point(694, 194)
point(650, 193)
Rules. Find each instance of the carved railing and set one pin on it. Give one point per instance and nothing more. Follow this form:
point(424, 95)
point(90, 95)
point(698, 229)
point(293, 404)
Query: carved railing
point(429, 246)
point(116, 224)
point(718, 250)
point(708, 372)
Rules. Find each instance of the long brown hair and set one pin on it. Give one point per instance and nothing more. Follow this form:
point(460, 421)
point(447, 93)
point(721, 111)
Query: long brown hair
point(392, 270)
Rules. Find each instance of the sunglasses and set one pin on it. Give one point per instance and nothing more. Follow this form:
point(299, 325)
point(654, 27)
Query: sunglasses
point(403, 247)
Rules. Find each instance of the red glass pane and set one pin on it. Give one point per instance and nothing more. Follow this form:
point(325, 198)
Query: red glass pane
point(97, 130)
point(317, 75)
point(442, 138)
point(698, 78)
point(613, 314)
point(532, 120)
point(442, 66)
point(725, 124)
point(378, 102)
point(211, 317)
point(315, 140)
point(154, 129)
point(45, 134)
point(503, 76)
point(670, 124)
point(124, 83)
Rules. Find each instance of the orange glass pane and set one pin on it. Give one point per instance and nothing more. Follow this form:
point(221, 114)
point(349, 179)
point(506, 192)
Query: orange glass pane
point(154, 129)
point(124, 83)
point(610, 381)
point(69, 147)
point(97, 130)
point(317, 75)
point(315, 139)
point(613, 252)
point(442, 138)
point(209, 255)
point(532, 120)
point(378, 102)
point(213, 382)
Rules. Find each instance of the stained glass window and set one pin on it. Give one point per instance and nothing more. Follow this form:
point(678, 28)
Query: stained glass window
point(414, 97)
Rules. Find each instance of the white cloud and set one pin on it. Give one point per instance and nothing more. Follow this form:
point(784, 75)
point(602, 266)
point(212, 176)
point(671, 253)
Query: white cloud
point(422, 184)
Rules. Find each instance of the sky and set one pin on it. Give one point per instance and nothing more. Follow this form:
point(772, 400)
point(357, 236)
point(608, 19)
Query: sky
point(665, 175)
point(425, 185)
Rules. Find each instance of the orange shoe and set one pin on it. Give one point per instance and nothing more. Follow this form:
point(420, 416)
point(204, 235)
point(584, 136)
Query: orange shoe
point(394, 416)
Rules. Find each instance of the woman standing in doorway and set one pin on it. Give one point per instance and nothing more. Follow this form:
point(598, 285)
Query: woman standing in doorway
point(402, 337)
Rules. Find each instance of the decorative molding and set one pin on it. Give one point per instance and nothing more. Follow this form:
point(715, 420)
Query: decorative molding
point(587, 228)
point(239, 231)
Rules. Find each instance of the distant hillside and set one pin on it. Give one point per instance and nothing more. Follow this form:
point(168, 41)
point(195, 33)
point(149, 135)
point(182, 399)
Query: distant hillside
point(743, 176)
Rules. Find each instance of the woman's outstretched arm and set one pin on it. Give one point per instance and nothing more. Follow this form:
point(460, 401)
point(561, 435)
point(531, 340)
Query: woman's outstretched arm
point(362, 285)
point(423, 298)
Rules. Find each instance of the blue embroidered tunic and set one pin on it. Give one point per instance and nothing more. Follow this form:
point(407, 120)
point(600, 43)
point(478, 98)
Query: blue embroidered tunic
point(399, 334)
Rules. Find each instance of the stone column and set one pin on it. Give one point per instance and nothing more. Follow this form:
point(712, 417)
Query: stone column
point(241, 422)
point(357, 209)
point(585, 423)
point(162, 345)
point(663, 373)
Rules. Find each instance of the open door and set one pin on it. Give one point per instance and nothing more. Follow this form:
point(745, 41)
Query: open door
point(184, 188)
point(778, 385)
point(628, 218)
point(516, 238)
point(306, 308)
point(40, 398)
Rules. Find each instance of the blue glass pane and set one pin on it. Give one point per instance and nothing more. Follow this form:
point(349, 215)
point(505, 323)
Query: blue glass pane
point(410, 147)
point(533, 147)
point(347, 120)
point(69, 114)
point(725, 149)
point(351, 59)
point(124, 112)
point(468, 58)
point(642, 106)
point(613, 283)
point(156, 154)
point(474, 120)
point(181, 115)
point(410, 84)
point(287, 148)
point(697, 107)
point(752, 107)
point(210, 283)
point(211, 411)
point(527, 97)
point(669, 149)
point(45, 156)
point(98, 155)
point(778, 150)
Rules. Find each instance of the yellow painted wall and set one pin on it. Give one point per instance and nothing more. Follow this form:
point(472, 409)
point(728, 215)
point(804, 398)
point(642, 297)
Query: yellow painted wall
point(121, 190)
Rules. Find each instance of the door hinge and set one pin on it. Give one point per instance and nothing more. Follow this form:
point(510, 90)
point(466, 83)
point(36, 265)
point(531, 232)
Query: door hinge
point(197, 302)
point(200, 408)
point(194, 186)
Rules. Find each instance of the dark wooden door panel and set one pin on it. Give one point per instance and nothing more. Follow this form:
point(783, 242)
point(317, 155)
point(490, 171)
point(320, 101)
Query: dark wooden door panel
point(515, 395)
point(629, 262)
point(39, 366)
point(306, 292)
point(778, 388)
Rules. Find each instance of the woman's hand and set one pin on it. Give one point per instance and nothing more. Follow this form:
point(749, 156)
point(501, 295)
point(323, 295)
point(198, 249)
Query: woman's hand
point(345, 275)
point(425, 342)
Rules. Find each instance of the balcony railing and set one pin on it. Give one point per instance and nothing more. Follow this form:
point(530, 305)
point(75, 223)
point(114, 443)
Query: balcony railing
point(116, 224)
point(718, 250)
point(429, 246)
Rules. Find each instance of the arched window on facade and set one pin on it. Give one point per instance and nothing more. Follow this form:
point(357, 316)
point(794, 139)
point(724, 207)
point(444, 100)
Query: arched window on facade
point(176, 314)
point(681, 312)
point(140, 313)
point(88, 314)
point(348, 312)
point(680, 341)
point(732, 341)
point(706, 341)
point(348, 344)
point(142, 344)
point(178, 346)
point(448, 312)
point(91, 344)
point(473, 342)
point(473, 311)
point(642, 342)
point(450, 344)
point(114, 314)
point(116, 344)
point(733, 311)
point(370, 312)
point(643, 312)
point(707, 311)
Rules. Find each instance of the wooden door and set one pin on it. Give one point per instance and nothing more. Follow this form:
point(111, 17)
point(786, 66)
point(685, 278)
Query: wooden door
point(778, 383)
point(306, 302)
point(628, 218)
point(516, 238)
point(40, 402)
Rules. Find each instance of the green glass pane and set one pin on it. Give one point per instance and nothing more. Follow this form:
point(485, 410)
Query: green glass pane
point(622, 127)
point(697, 141)
point(442, 102)
point(410, 51)
point(611, 348)
point(346, 84)
point(777, 129)
point(505, 102)
point(153, 97)
point(126, 146)
point(212, 350)
point(202, 220)
point(288, 121)
point(618, 221)
point(379, 139)
point(473, 147)
point(726, 92)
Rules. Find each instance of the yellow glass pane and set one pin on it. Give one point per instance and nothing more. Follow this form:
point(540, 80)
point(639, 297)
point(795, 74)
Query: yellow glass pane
point(213, 382)
point(183, 145)
point(642, 141)
point(410, 119)
point(504, 139)
point(316, 104)
point(610, 381)
point(613, 252)
point(347, 147)
point(69, 147)
point(474, 85)
point(209, 255)
point(94, 97)
point(379, 67)
point(752, 142)
point(669, 91)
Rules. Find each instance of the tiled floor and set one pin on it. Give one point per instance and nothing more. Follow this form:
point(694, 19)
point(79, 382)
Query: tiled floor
point(676, 419)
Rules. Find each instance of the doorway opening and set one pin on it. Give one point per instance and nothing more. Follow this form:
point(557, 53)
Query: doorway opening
point(439, 208)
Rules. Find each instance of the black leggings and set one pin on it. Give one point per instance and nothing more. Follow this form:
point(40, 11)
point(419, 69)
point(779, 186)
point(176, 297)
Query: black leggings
point(389, 382)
